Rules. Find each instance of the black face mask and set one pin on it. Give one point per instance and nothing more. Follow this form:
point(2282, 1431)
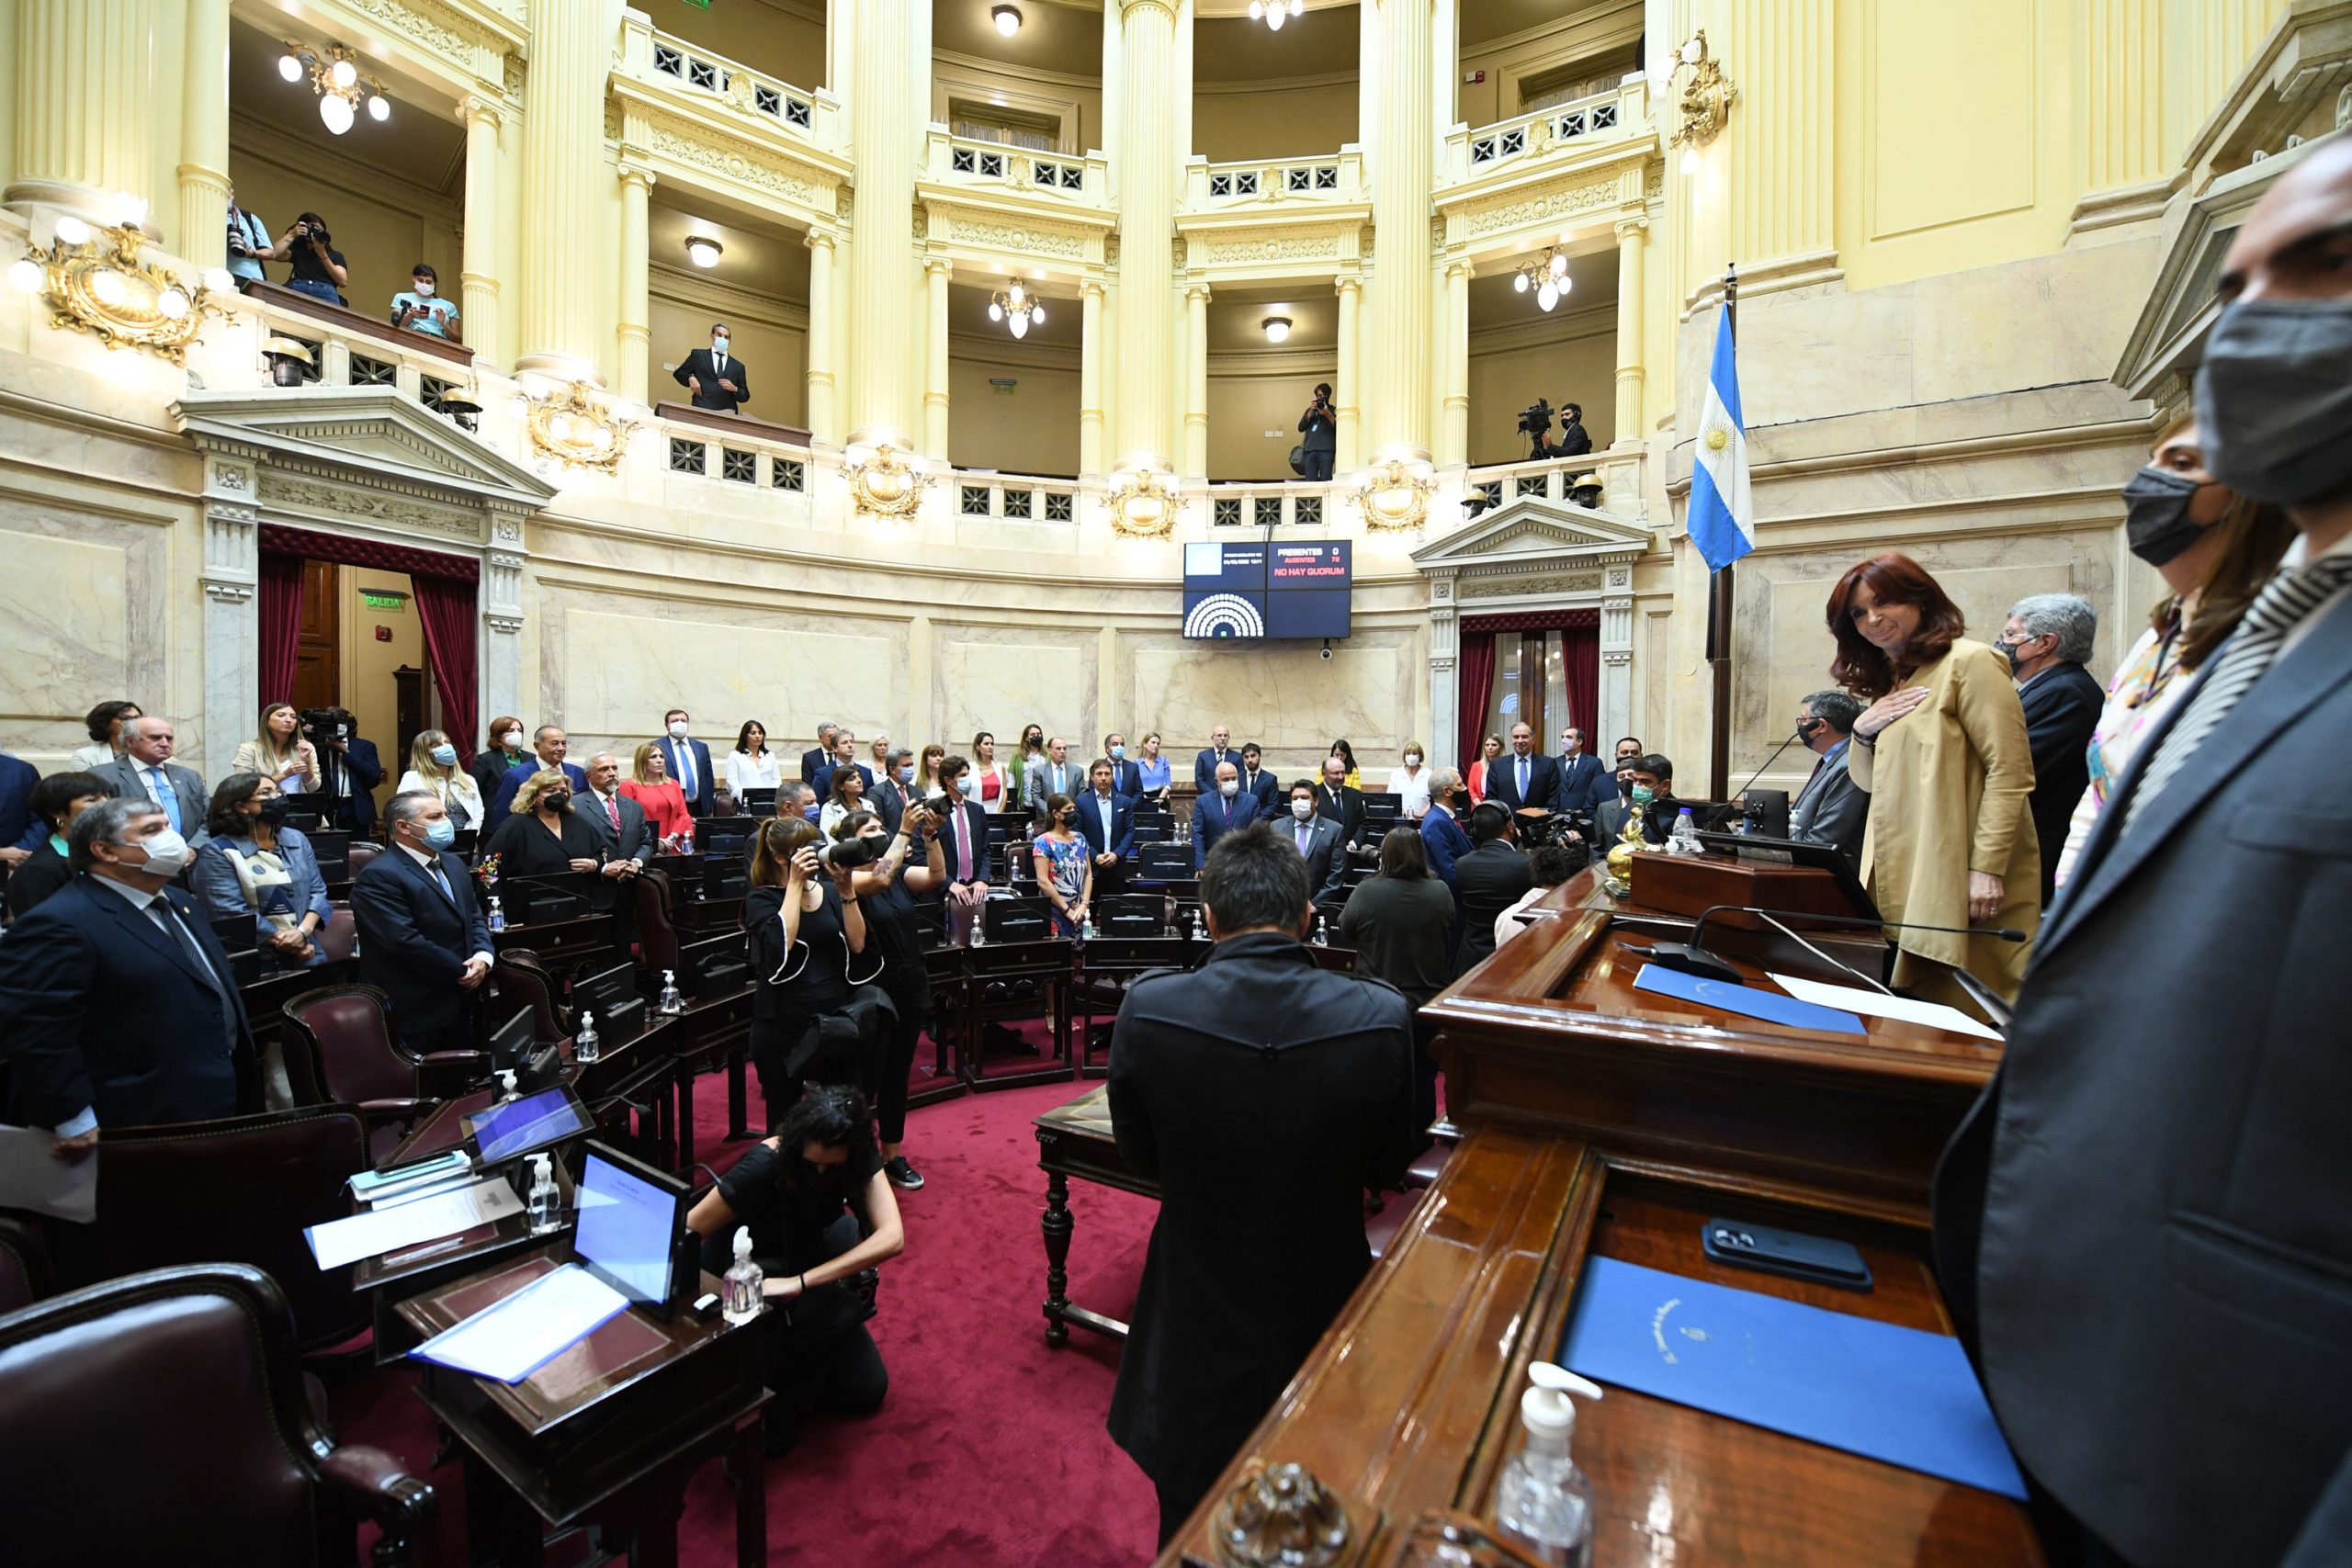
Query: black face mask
point(2274, 399)
point(274, 810)
point(2155, 518)
point(1807, 728)
point(555, 800)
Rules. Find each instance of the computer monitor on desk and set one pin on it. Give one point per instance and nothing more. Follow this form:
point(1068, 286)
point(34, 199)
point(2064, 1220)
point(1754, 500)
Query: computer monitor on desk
point(632, 1233)
point(756, 803)
point(510, 1129)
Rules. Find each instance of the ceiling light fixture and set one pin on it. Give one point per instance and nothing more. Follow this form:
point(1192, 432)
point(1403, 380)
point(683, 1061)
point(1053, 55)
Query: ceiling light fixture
point(1007, 19)
point(702, 250)
point(1277, 328)
point(1016, 307)
point(335, 78)
point(1274, 12)
point(1547, 274)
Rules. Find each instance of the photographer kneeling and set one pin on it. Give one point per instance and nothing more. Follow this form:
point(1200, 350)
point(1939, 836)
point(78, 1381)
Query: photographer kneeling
point(807, 1194)
point(886, 887)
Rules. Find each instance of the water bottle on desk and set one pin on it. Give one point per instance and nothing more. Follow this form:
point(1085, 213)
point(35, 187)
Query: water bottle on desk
point(1322, 930)
point(585, 1046)
point(1684, 841)
point(741, 1290)
point(496, 919)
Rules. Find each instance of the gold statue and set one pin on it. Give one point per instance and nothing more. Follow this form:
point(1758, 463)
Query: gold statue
point(1632, 840)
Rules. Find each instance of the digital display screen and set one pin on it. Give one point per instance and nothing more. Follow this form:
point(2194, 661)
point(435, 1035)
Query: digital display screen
point(627, 1228)
point(1259, 591)
point(518, 1126)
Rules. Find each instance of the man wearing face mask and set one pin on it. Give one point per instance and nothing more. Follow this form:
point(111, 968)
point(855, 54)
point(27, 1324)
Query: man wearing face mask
point(2140, 1228)
point(421, 939)
point(1831, 808)
point(716, 377)
point(1649, 784)
point(689, 762)
point(1126, 776)
point(2046, 639)
point(1220, 812)
point(118, 1004)
point(1317, 839)
point(889, 799)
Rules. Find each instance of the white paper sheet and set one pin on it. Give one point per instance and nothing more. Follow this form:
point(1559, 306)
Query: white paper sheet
point(1853, 998)
point(32, 1178)
point(528, 1330)
point(383, 1230)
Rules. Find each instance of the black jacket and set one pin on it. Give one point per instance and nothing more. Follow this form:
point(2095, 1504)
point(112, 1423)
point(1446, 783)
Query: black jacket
point(2061, 708)
point(414, 941)
point(1486, 883)
point(1320, 428)
point(1402, 929)
point(1265, 1095)
point(698, 365)
point(1346, 808)
point(1575, 440)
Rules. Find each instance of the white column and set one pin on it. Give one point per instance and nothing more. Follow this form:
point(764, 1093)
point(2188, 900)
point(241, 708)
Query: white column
point(823, 421)
point(935, 389)
point(202, 236)
point(478, 269)
point(232, 618)
point(85, 132)
point(563, 174)
point(1089, 378)
point(1196, 381)
point(1147, 225)
point(889, 106)
point(636, 331)
point(1632, 235)
point(1454, 452)
point(1347, 409)
point(1397, 336)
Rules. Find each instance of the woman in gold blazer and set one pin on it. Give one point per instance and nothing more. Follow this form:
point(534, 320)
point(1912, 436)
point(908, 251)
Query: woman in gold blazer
point(1942, 752)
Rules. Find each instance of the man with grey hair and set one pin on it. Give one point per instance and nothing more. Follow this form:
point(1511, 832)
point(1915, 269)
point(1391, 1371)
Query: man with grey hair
point(1441, 834)
point(815, 761)
point(118, 1004)
point(1831, 808)
point(423, 940)
point(2047, 639)
point(794, 800)
point(145, 770)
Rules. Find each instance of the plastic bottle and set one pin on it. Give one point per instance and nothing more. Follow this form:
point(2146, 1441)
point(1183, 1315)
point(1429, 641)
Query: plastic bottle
point(1686, 833)
point(546, 1204)
point(1086, 927)
point(1543, 1502)
point(670, 1001)
point(740, 1291)
point(496, 920)
point(585, 1046)
point(687, 842)
point(979, 925)
point(1322, 930)
point(506, 1085)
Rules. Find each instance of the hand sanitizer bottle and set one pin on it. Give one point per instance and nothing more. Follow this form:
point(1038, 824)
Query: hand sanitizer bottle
point(1322, 930)
point(506, 1085)
point(496, 919)
point(584, 1043)
point(1542, 1503)
point(741, 1290)
point(670, 1001)
point(546, 1204)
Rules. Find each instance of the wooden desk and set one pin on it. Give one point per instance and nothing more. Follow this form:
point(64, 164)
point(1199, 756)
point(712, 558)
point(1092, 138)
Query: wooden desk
point(1598, 1120)
point(560, 942)
point(1074, 1140)
point(394, 1276)
point(608, 1432)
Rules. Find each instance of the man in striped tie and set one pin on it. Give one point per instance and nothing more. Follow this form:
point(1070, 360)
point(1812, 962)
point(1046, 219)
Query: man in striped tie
point(2146, 1225)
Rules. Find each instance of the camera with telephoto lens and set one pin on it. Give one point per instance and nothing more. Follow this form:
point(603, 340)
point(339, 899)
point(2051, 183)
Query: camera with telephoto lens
point(849, 853)
point(1535, 832)
point(942, 807)
point(1535, 420)
point(325, 725)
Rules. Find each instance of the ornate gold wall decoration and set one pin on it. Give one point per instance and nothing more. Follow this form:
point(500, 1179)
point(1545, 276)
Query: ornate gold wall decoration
point(95, 282)
point(882, 483)
point(1143, 504)
point(1394, 493)
point(1703, 107)
point(571, 427)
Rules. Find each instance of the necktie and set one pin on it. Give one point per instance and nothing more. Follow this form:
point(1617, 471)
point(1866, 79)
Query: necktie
point(1305, 836)
point(1816, 769)
point(2290, 598)
point(613, 813)
point(160, 787)
point(686, 769)
point(1522, 781)
point(963, 849)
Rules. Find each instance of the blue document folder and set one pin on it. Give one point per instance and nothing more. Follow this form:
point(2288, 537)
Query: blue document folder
point(1889, 1394)
point(1748, 1001)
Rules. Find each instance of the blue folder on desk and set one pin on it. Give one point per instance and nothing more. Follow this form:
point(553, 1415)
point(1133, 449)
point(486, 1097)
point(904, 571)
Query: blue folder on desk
point(1874, 1389)
point(1748, 1001)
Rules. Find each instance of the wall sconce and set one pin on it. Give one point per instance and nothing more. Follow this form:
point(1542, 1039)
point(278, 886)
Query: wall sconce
point(1547, 274)
point(1277, 329)
point(337, 82)
point(291, 364)
point(1395, 491)
point(882, 483)
point(95, 282)
point(1007, 19)
point(702, 250)
point(1142, 500)
point(569, 427)
point(1704, 107)
point(1016, 307)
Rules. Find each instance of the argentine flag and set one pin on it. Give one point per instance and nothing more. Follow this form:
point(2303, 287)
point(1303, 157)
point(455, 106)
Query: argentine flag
point(1722, 518)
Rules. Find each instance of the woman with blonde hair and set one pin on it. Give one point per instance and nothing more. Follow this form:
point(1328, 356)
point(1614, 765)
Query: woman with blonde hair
point(651, 786)
point(540, 836)
point(279, 753)
point(432, 767)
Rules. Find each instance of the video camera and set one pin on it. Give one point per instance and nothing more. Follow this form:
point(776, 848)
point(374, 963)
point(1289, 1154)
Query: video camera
point(1535, 833)
point(327, 725)
point(1535, 420)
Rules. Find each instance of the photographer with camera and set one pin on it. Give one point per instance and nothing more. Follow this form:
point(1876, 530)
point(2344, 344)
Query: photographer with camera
point(350, 769)
point(906, 864)
point(1321, 428)
point(807, 933)
point(249, 243)
point(319, 271)
point(1535, 424)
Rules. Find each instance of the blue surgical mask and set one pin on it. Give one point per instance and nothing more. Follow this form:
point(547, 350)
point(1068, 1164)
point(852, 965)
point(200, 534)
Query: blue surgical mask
point(446, 755)
point(907, 773)
point(811, 810)
point(1118, 752)
point(440, 832)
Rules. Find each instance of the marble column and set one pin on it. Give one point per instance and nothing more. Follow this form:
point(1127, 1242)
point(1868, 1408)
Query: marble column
point(1346, 410)
point(823, 420)
point(1089, 378)
point(1147, 163)
point(1196, 381)
point(635, 318)
point(230, 576)
point(1782, 141)
point(1397, 336)
point(887, 107)
point(1453, 450)
point(563, 186)
point(477, 268)
point(202, 236)
point(936, 272)
point(1632, 234)
point(85, 132)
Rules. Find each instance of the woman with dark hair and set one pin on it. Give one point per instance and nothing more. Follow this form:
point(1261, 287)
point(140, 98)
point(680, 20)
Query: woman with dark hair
point(105, 725)
point(319, 269)
point(1400, 923)
point(1347, 753)
point(55, 802)
point(806, 937)
point(253, 867)
point(504, 753)
point(820, 1212)
point(751, 765)
point(1064, 869)
point(2215, 549)
point(846, 795)
point(910, 863)
point(1942, 752)
point(1033, 750)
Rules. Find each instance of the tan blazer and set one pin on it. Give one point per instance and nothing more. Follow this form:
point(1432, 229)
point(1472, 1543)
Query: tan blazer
point(1948, 785)
point(251, 759)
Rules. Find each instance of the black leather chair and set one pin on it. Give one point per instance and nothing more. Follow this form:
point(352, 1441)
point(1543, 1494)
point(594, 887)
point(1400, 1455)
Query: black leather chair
point(161, 1417)
point(24, 1263)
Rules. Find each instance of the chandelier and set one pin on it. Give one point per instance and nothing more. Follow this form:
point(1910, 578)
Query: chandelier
point(1016, 307)
point(337, 82)
point(1547, 274)
point(1274, 12)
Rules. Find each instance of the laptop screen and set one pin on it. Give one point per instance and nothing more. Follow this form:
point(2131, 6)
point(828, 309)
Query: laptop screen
point(533, 1122)
point(628, 1228)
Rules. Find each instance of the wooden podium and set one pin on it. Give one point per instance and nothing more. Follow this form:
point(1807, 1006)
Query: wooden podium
point(1690, 885)
point(1598, 1120)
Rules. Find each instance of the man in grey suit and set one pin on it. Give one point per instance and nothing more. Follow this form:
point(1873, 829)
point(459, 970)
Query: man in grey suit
point(2144, 1226)
point(1318, 843)
point(145, 768)
point(1831, 808)
point(1052, 773)
point(626, 843)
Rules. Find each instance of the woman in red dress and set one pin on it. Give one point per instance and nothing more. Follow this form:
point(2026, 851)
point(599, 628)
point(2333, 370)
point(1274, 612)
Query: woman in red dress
point(664, 802)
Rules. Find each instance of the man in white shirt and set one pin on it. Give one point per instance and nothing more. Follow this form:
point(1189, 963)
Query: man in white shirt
point(421, 938)
point(146, 769)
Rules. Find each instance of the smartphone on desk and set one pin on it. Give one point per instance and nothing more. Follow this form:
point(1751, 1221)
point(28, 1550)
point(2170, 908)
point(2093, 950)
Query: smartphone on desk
point(1793, 1252)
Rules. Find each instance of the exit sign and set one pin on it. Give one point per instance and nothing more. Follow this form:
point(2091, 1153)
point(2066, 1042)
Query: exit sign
point(370, 599)
point(699, 4)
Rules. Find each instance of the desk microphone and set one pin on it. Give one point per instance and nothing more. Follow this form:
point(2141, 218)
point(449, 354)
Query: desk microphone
point(1794, 736)
point(1692, 958)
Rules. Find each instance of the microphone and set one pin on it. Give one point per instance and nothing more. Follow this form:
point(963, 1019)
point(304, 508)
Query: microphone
point(1794, 737)
point(1692, 958)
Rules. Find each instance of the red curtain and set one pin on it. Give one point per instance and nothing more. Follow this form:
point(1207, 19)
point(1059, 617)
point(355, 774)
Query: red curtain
point(281, 624)
point(444, 608)
point(1580, 653)
point(1477, 689)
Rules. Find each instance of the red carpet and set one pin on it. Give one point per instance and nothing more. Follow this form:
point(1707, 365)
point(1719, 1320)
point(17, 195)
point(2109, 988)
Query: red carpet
point(990, 1451)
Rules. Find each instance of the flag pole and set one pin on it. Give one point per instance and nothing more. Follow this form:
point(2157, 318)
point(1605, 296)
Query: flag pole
point(1718, 607)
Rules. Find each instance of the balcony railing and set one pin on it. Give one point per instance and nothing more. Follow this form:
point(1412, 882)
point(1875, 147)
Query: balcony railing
point(1333, 179)
point(960, 160)
point(1284, 504)
point(658, 60)
point(1017, 498)
point(1595, 122)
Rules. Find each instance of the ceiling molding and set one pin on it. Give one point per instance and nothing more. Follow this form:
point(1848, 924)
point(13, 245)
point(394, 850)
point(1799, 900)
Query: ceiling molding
point(1274, 84)
point(987, 67)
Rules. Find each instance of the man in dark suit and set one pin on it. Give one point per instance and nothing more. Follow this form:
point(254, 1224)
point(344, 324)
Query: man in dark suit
point(689, 762)
point(117, 1004)
point(1575, 439)
point(1107, 821)
point(1342, 805)
point(1441, 835)
point(1257, 780)
point(844, 757)
point(1488, 879)
point(1831, 808)
point(626, 843)
point(1524, 779)
point(964, 843)
point(349, 771)
point(20, 834)
point(145, 771)
point(2047, 638)
point(715, 378)
point(1218, 750)
point(1126, 775)
point(887, 800)
point(1582, 777)
point(1653, 789)
point(1255, 1073)
point(422, 940)
point(549, 746)
point(1221, 810)
point(815, 761)
point(1317, 839)
point(2142, 1226)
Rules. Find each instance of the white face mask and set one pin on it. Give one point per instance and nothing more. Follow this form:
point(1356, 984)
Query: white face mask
point(678, 729)
point(167, 853)
point(718, 346)
point(512, 741)
point(423, 285)
point(1302, 809)
point(1228, 787)
point(1412, 758)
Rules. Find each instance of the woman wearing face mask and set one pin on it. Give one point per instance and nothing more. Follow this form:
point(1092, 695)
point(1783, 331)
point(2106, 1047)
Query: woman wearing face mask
point(279, 752)
point(1065, 868)
point(432, 767)
point(988, 781)
point(1411, 784)
point(665, 803)
point(2215, 549)
point(1157, 774)
point(253, 867)
point(503, 754)
point(808, 947)
point(751, 765)
point(1033, 750)
point(1942, 750)
point(541, 837)
point(911, 862)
